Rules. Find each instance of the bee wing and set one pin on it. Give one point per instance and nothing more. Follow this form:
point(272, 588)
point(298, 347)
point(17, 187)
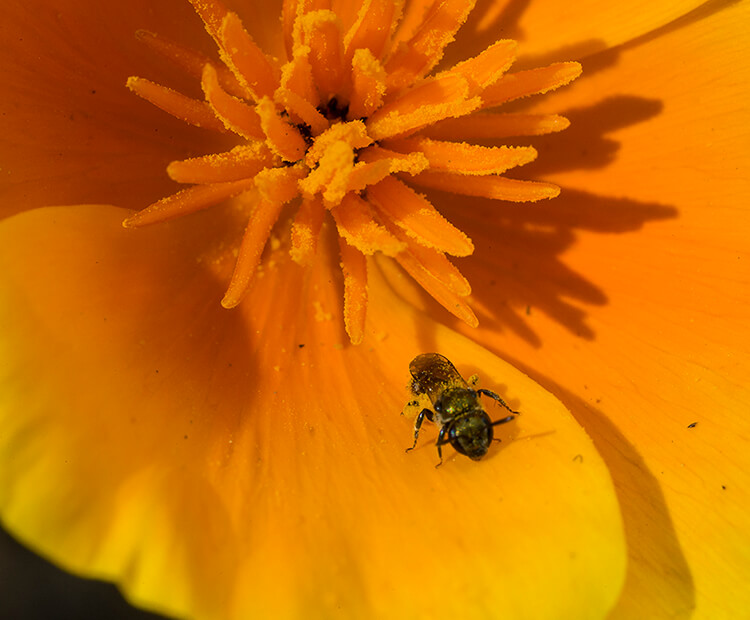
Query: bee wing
point(433, 374)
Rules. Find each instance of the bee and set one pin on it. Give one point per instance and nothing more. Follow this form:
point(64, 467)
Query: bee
point(455, 407)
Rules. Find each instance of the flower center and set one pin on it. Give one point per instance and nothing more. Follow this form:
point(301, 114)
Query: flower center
point(347, 126)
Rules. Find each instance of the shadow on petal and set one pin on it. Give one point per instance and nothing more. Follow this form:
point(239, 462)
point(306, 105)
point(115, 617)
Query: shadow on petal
point(649, 530)
point(585, 144)
point(517, 265)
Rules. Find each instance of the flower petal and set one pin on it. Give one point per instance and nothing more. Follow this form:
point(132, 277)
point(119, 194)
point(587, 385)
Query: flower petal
point(629, 293)
point(550, 30)
point(62, 79)
point(164, 444)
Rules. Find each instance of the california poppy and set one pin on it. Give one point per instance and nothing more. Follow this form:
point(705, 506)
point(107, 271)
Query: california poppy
point(229, 463)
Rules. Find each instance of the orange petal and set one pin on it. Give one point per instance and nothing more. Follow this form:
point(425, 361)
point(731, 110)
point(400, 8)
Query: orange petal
point(65, 114)
point(547, 26)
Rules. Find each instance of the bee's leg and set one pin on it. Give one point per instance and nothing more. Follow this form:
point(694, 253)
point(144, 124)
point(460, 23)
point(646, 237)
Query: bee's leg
point(500, 400)
point(411, 403)
point(473, 380)
point(418, 424)
point(440, 442)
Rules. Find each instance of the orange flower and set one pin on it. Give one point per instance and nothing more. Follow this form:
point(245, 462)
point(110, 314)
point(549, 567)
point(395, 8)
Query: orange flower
point(233, 463)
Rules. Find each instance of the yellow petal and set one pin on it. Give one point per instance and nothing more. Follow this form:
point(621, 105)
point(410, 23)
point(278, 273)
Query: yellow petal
point(224, 483)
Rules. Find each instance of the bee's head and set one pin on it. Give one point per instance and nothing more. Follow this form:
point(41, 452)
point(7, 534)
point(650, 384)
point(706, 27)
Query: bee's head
point(471, 434)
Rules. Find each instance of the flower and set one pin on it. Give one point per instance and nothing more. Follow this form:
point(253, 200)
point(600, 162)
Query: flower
point(214, 467)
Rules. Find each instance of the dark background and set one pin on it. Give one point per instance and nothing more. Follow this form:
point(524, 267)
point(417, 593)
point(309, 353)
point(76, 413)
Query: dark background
point(33, 589)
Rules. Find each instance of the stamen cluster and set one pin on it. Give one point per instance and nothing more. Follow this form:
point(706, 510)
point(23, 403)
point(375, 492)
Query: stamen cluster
point(347, 126)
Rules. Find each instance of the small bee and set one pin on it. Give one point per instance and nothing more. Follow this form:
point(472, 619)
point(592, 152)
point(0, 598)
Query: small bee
point(455, 407)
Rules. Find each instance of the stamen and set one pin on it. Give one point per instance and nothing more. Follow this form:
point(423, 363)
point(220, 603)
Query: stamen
point(414, 214)
point(487, 125)
point(280, 184)
point(247, 61)
point(296, 75)
point(465, 158)
point(301, 110)
point(414, 13)
point(431, 101)
point(190, 61)
point(276, 187)
point(454, 304)
point(354, 134)
point(497, 188)
point(234, 113)
point(415, 58)
point(241, 162)
point(192, 111)
point(366, 173)
point(337, 122)
point(368, 85)
point(212, 13)
point(531, 82)
point(306, 230)
point(331, 175)
point(256, 234)
point(434, 262)
point(322, 34)
point(488, 67)
point(354, 267)
point(187, 201)
point(412, 163)
point(371, 31)
point(356, 223)
point(288, 17)
point(284, 139)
